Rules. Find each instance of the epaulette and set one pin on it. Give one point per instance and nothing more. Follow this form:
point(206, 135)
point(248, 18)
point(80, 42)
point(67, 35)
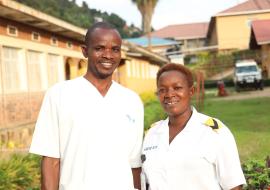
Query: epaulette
point(214, 124)
point(154, 124)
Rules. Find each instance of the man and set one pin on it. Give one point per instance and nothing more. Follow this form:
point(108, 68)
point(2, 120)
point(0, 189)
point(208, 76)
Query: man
point(89, 130)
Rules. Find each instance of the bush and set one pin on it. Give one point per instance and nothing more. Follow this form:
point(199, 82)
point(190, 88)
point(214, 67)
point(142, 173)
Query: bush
point(257, 173)
point(152, 109)
point(20, 172)
point(152, 113)
point(148, 97)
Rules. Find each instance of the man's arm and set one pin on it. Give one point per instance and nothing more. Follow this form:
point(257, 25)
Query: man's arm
point(50, 169)
point(136, 177)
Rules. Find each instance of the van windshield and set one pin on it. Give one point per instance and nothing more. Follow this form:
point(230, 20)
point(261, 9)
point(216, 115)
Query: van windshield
point(246, 69)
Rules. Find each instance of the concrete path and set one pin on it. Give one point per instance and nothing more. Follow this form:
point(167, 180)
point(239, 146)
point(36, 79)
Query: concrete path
point(246, 94)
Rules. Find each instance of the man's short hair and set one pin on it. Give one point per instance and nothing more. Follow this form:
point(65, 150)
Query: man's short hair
point(179, 68)
point(103, 25)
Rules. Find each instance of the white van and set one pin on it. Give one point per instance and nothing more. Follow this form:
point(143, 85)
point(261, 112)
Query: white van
point(247, 74)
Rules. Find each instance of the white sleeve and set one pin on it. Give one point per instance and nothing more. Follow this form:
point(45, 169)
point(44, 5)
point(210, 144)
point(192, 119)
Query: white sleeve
point(228, 166)
point(135, 155)
point(45, 139)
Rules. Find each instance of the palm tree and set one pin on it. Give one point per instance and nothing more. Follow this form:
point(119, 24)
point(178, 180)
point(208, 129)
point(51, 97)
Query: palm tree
point(146, 8)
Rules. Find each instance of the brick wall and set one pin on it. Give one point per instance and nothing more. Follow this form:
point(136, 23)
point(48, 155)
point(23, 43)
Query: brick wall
point(18, 116)
point(16, 109)
point(16, 138)
point(25, 32)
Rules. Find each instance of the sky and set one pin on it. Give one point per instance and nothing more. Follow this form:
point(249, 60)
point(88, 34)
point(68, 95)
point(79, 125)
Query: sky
point(167, 12)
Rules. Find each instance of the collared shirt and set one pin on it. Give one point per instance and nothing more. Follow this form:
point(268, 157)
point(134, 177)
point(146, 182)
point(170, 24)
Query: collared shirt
point(198, 158)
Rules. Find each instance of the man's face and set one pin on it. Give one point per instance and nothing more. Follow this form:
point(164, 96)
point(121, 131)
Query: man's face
point(103, 52)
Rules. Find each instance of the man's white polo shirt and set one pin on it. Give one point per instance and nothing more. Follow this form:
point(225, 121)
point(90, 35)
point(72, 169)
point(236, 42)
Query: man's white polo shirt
point(98, 139)
point(199, 158)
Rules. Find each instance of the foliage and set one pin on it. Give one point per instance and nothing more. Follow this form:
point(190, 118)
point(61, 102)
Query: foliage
point(68, 11)
point(20, 172)
point(257, 173)
point(247, 54)
point(152, 110)
point(205, 60)
point(148, 97)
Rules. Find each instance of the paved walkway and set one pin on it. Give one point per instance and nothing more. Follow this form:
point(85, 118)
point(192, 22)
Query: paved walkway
point(246, 94)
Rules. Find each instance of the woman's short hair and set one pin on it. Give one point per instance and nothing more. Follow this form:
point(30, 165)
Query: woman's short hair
point(176, 67)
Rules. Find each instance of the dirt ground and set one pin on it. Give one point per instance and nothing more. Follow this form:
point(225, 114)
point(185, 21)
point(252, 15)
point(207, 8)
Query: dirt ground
point(247, 94)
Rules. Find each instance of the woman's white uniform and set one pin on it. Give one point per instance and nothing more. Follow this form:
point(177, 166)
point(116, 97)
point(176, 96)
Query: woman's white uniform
point(203, 156)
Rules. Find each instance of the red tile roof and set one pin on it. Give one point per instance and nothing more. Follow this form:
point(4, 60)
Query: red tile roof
point(250, 5)
point(182, 31)
point(261, 29)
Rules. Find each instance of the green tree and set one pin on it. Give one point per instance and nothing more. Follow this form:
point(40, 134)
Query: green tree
point(146, 8)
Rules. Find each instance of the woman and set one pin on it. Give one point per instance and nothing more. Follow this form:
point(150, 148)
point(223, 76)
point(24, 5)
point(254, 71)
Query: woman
point(188, 150)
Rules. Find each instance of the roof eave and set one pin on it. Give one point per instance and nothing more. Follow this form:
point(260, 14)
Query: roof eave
point(138, 49)
point(242, 13)
point(24, 14)
point(264, 42)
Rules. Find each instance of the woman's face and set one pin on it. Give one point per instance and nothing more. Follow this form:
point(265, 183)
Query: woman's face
point(174, 93)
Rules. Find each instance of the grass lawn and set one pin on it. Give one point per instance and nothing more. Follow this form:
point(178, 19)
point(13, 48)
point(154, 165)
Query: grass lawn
point(249, 121)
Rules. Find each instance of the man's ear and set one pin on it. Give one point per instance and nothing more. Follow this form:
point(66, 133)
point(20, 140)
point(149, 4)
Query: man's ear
point(84, 50)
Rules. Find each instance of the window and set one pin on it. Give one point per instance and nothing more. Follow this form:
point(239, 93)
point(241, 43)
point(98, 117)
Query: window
point(153, 71)
point(143, 70)
point(12, 30)
point(36, 71)
point(137, 70)
point(14, 70)
point(54, 69)
point(35, 36)
point(128, 68)
point(133, 69)
point(54, 41)
point(69, 45)
point(146, 67)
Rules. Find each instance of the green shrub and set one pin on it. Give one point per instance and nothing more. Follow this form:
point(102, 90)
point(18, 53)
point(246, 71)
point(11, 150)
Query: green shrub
point(152, 113)
point(20, 172)
point(148, 97)
point(257, 173)
point(152, 109)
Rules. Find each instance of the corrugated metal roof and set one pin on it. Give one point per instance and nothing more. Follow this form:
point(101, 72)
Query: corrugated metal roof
point(261, 29)
point(143, 41)
point(182, 31)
